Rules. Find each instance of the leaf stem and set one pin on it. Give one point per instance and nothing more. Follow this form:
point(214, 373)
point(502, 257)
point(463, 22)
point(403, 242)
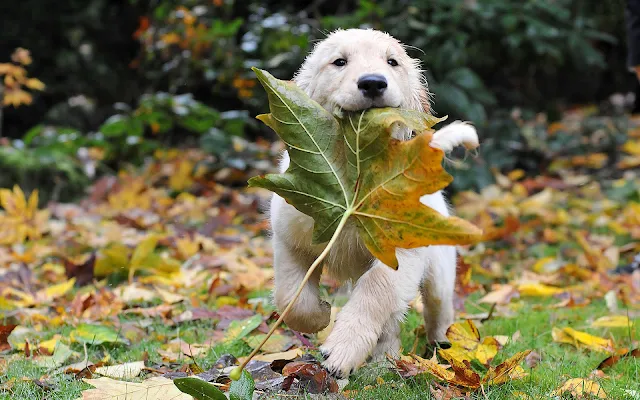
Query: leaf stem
point(304, 281)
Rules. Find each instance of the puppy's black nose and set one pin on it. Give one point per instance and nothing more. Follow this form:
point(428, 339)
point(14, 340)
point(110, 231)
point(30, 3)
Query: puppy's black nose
point(372, 85)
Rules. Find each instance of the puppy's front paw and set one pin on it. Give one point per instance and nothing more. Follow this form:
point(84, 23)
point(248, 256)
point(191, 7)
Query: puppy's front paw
point(346, 348)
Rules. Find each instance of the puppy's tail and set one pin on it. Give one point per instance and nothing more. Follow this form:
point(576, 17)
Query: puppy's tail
point(455, 134)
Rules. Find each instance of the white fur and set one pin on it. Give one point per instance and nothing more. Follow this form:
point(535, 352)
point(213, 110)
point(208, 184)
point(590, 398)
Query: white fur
point(369, 323)
point(454, 135)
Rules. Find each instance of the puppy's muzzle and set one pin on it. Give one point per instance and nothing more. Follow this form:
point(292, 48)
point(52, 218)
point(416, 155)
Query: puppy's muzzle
point(372, 85)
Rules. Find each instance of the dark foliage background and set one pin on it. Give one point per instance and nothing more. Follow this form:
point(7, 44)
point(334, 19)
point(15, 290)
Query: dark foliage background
point(126, 77)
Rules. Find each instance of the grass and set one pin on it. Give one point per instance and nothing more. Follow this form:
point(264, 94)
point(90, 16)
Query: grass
point(534, 320)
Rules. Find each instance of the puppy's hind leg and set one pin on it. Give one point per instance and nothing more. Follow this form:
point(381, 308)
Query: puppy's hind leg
point(389, 340)
point(437, 296)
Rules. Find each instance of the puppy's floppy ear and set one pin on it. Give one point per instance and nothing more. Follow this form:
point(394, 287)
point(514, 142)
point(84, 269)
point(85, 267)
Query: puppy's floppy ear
point(425, 100)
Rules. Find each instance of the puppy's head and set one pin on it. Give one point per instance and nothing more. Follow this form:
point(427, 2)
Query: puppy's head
point(356, 69)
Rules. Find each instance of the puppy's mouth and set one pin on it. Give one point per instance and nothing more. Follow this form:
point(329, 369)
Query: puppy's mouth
point(367, 104)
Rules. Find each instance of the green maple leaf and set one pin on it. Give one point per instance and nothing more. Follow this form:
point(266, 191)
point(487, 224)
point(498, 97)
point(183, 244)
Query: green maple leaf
point(350, 169)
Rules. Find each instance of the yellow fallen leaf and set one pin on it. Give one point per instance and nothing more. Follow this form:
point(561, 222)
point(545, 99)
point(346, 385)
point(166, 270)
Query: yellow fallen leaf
point(114, 258)
point(582, 340)
point(580, 388)
point(466, 344)
point(187, 247)
point(143, 251)
point(539, 290)
point(539, 266)
point(55, 291)
point(612, 321)
point(49, 345)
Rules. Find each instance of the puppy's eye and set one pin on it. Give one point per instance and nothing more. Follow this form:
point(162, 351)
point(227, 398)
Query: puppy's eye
point(392, 62)
point(340, 62)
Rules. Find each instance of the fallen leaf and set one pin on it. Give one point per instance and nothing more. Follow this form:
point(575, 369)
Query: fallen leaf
point(508, 370)
point(199, 389)
point(312, 376)
point(122, 371)
point(286, 355)
point(614, 359)
point(580, 388)
point(5, 331)
point(539, 290)
point(157, 388)
point(582, 340)
point(240, 329)
point(61, 354)
point(532, 359)
point(96, 334)
point(466, 344)
point(502, 295)
point(612, 321)
point(276, 343)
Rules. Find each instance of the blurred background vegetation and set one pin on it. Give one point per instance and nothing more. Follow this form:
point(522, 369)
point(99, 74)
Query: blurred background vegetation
point(123, 78)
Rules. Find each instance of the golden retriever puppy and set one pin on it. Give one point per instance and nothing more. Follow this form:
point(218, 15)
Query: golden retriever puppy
point(353, 70)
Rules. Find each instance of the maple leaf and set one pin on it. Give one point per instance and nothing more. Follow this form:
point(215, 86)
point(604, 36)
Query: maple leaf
point(466, 344)
point(350, 167)
point(459, 371)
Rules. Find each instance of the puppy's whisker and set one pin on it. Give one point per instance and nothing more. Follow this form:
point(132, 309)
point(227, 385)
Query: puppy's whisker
point(408, 46)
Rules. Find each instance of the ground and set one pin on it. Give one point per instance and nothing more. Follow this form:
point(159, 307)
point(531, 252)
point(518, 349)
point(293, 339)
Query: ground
point(156, 264)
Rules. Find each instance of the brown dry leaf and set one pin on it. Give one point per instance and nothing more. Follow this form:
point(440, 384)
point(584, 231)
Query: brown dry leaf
point(157, 388)
point(582, 340)
point(614, 359)
point(508, 370)
point(440, 392)
point(502, 295)
point(532, 359)
point(312, 376)
point(581, 388)
point(466, 344)
point(5, 331)
point(463, 374)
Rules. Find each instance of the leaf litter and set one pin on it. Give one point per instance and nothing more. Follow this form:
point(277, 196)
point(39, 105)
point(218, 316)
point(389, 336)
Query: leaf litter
point(75, 267)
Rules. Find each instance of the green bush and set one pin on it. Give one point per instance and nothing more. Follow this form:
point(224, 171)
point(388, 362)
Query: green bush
point(177, 72)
